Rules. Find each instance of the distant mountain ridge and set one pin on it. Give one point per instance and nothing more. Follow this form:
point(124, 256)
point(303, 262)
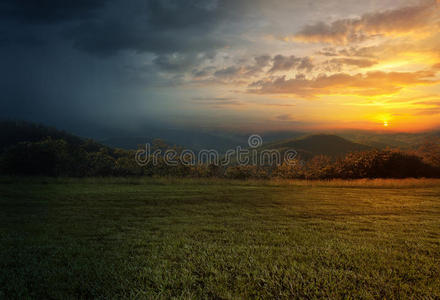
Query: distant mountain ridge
point(318, 144)
point(196, 140)
point(382, 140)
point(331, 144)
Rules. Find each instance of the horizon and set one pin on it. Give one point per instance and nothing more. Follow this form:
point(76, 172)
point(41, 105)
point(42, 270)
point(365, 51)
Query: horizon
point(103, 134)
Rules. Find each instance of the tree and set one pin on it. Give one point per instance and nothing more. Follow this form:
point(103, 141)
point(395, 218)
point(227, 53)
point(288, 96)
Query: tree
point(294, 169)
point(430, 152)
point(100, 164)
point(319, 167)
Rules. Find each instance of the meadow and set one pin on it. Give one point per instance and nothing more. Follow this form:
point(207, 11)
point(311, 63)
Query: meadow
point(212, 238)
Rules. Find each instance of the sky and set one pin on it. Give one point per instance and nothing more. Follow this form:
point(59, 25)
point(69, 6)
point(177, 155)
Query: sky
point(225, 64)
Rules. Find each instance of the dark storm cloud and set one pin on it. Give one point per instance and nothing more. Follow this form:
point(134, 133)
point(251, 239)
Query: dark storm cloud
point(26, 39)
point(107, 27)
point(204, 72)
point(96, 58)
point(228, 72)
point(155, 26)
point(166, 15)
point(49, 11)
point(176, 62)
point(111, 36)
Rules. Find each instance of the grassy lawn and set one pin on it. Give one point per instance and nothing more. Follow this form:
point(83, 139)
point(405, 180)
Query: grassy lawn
point(159, 238)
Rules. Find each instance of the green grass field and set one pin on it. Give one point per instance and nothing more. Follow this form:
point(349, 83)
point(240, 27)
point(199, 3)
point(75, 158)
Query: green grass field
point(162, 238)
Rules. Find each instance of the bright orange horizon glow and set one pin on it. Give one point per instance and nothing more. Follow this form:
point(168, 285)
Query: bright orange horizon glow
point(375, 70)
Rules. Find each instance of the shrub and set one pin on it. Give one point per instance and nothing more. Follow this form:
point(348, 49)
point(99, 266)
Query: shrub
point(382, 164)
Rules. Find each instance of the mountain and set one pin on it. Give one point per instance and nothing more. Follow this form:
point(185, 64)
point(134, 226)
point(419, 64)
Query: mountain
point(195, 139)
point(382, 140)
point(191, 140)
point(14, 132)
point(318, 144)
point(35, 149)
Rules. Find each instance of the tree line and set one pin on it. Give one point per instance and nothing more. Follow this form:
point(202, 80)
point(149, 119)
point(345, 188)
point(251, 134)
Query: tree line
point(61, 154)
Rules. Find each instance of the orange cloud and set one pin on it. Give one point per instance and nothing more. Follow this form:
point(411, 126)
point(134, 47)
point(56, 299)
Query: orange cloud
point(369, 84)
point(402, 20)
point(361, 63)
point(285, 63)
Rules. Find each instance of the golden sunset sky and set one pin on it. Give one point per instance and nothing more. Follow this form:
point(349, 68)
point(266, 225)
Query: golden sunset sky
point(368, 66)
point(238, 64)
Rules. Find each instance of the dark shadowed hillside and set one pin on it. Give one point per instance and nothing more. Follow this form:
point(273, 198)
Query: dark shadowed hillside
point(14, 132)
point(196, 139)
point(319, 144)
point(191, 140)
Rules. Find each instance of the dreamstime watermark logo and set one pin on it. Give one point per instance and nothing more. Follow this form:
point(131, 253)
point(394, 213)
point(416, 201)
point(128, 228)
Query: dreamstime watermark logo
point(238, 156)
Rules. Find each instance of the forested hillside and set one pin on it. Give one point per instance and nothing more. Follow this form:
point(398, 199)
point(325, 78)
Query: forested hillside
point(31, 149)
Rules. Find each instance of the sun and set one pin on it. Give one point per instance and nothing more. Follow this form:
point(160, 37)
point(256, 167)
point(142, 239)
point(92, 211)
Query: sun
point(385, 123)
